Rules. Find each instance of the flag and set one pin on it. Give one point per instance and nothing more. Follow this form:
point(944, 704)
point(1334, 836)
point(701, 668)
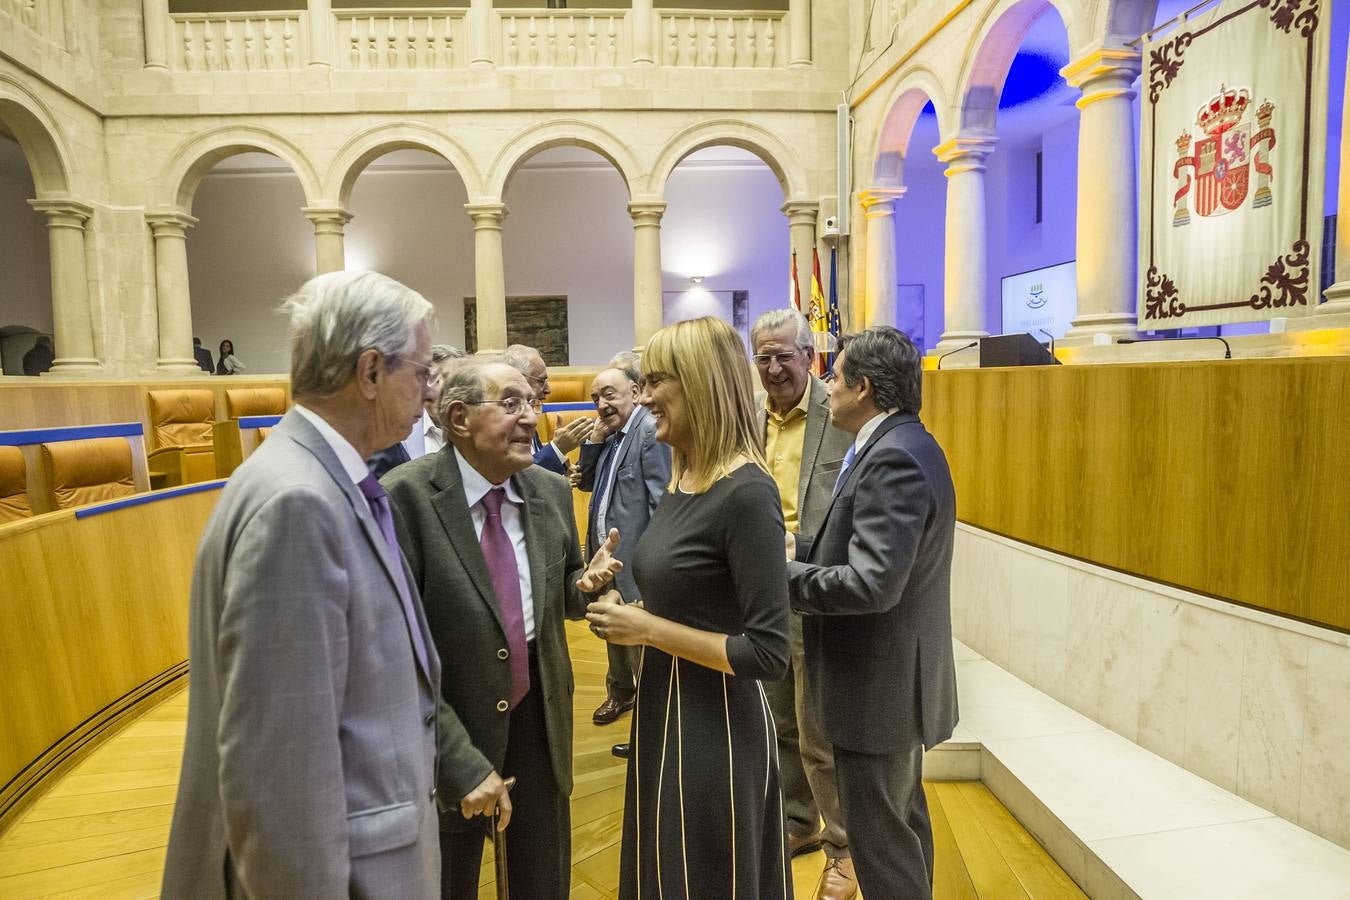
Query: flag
point(794, 290)
point(833, 312)
point(818, 316)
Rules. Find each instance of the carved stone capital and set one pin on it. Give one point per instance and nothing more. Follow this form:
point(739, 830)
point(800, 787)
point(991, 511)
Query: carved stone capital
point(169, 223)
point(801, 212)
point(647, 213)
point(63, 212)
point(486, 215)
point(327, 219)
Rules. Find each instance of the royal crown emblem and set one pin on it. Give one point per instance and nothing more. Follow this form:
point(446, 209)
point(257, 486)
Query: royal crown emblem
point(1224, 159)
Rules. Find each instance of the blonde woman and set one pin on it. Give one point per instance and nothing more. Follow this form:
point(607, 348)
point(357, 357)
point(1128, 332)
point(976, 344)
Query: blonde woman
point(703, 811)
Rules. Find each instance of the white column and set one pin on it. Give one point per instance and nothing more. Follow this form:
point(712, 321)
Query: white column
point(646, 268)
point(489, 274)
point(320, 14)
point(801, 215)
point(73, 321)
point(171, 287)
point(642, 33)
point(1108, 218)
point(878, 306)
point(966, 263)
point(480, 37)
point(1335, 313)
point(799, 33)
point(329, 226)
point(156, 27)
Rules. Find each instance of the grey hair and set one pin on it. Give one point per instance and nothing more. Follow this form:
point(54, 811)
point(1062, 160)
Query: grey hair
point(517, 356)
point(442, 352)
point(629, 362)
point(337, 316)
point(465, 383)
point(775, 319)
point(887, 358)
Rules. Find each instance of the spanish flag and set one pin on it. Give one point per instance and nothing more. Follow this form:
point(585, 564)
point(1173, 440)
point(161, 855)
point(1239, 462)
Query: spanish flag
point(794, 288)
point(819, 316)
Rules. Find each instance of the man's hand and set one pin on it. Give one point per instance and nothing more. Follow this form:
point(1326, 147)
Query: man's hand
point(569, 437)
point(790, 542)
point(603, 566)
point(599, 431)
point(492, 795)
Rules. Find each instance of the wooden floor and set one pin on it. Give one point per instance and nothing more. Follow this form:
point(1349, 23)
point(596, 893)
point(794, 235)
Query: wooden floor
point(101, 831)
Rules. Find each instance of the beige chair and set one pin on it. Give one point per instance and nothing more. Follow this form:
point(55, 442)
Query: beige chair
point(14, 503)
point(241, 402)
point(181, 447)
point(87, 471)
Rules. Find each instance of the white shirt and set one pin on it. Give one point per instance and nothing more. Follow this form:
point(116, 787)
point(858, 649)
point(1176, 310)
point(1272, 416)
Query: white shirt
point(475, 488)
point(424, 438)
point(869, 429)
point(347, 455)
point(601, 530)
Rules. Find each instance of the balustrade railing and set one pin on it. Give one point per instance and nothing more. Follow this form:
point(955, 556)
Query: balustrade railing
point(237, 42)
point(742, 40)
point(564, 38)
point(401, 39)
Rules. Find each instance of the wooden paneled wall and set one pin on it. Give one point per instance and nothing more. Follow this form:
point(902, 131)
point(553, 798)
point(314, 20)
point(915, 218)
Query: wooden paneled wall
point(51, 402)
point(1229, 478)
point(93, 616)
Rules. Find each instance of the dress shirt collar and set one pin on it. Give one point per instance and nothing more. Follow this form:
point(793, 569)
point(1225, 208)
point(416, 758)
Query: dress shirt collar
point(865, 433)
point(803, 404)
point(476, 486)
point(347, 455)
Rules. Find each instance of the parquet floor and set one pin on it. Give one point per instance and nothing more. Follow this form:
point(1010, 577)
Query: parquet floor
point(101, 831)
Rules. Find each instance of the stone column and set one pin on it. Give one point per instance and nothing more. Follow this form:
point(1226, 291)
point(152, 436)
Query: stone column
point(72, 318)
point(480, 35)
point(879, 286)
point(642, 33)
point(320, 14)
point(965, 270)
point(646, 268)
point(799, 33)
point(801, 215)
point(1108, 218)
point(329, 224)
point(1335, 313)
point(489, 274)
point(171, 287)
point(156, 27)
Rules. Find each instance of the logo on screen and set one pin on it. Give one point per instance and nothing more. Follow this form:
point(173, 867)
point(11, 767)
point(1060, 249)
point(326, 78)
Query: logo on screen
point(1036, 296)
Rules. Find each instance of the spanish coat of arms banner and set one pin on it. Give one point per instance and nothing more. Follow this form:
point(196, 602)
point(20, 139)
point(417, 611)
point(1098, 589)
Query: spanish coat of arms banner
point(1232, 159)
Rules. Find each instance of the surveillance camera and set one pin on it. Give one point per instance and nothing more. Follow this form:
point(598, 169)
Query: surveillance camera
point(832, 225)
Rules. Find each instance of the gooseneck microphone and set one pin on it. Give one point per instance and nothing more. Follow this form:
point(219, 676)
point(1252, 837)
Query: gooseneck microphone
point(1052, 342)
point(957, 350)
point(1227, 350)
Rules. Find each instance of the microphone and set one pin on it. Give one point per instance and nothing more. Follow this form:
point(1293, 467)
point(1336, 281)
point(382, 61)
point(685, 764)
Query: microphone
point(1227, 350)
point(957, 350)
point(1052, 342)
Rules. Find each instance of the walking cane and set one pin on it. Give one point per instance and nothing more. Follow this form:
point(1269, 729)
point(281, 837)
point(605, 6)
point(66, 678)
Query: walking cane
point(499, 850)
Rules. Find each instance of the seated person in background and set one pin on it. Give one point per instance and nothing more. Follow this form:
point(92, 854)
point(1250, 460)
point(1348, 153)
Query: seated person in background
point(203, 356)
point(426, 436)
point(553, 455)
point(39, 359)
point(229, 363)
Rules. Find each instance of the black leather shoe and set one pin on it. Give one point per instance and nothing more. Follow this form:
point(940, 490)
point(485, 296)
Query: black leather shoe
point(622, 751)
point(610, 710)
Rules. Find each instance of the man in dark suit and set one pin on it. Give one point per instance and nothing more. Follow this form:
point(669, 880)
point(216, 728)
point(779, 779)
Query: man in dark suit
point(203, 357)
point(626, 470)
point(874, 588)
point(311, 744)
point(493, 547)
point(804, 452)
point(553, 455)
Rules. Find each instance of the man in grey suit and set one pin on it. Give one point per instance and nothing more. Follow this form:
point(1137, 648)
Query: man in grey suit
point(874, 587)
point(311, 746)
point(804, 452)
point(493, 547)
point(626, 470)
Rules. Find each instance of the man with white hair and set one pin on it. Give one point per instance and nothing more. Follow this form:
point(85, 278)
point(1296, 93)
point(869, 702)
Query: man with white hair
point(308, 767)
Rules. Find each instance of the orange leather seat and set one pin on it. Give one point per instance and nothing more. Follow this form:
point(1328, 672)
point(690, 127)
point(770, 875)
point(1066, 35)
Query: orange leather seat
point(180, 436)
point(569, 388)
point(241, 402)
point(88, 471)
point(14, 503)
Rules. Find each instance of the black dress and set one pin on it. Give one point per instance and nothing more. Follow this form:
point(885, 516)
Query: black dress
point(703, 814)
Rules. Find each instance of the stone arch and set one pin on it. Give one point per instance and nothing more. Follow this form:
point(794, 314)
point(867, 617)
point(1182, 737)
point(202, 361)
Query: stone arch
point(372, 143)
point(41, 141)
point(558, 133)
point(914, 89)
point(990, 54)
point(1120, 21)
point(196, 156)
point(735, 133)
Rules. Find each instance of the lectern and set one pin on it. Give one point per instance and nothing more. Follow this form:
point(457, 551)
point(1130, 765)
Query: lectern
point(1019, 349)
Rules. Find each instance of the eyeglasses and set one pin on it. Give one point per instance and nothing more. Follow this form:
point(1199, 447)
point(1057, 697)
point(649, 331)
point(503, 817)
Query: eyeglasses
point(512, 406)
point(430, 374)
point(763, 359)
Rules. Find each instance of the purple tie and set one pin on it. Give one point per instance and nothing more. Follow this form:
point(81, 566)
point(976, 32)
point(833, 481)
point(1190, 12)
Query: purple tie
point(500, 556)
point(379, 508)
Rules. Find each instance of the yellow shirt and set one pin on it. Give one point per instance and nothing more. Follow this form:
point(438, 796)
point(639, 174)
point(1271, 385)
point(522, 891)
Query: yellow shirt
point(783, 440)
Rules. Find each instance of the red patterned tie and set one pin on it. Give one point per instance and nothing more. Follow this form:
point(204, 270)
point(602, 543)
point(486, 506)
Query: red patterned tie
point(501, 563)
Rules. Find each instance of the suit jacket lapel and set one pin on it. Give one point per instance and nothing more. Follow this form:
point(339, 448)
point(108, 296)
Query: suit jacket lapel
point(536, 545)
point(817, 417)
point(886, 425)
point(453, 510)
